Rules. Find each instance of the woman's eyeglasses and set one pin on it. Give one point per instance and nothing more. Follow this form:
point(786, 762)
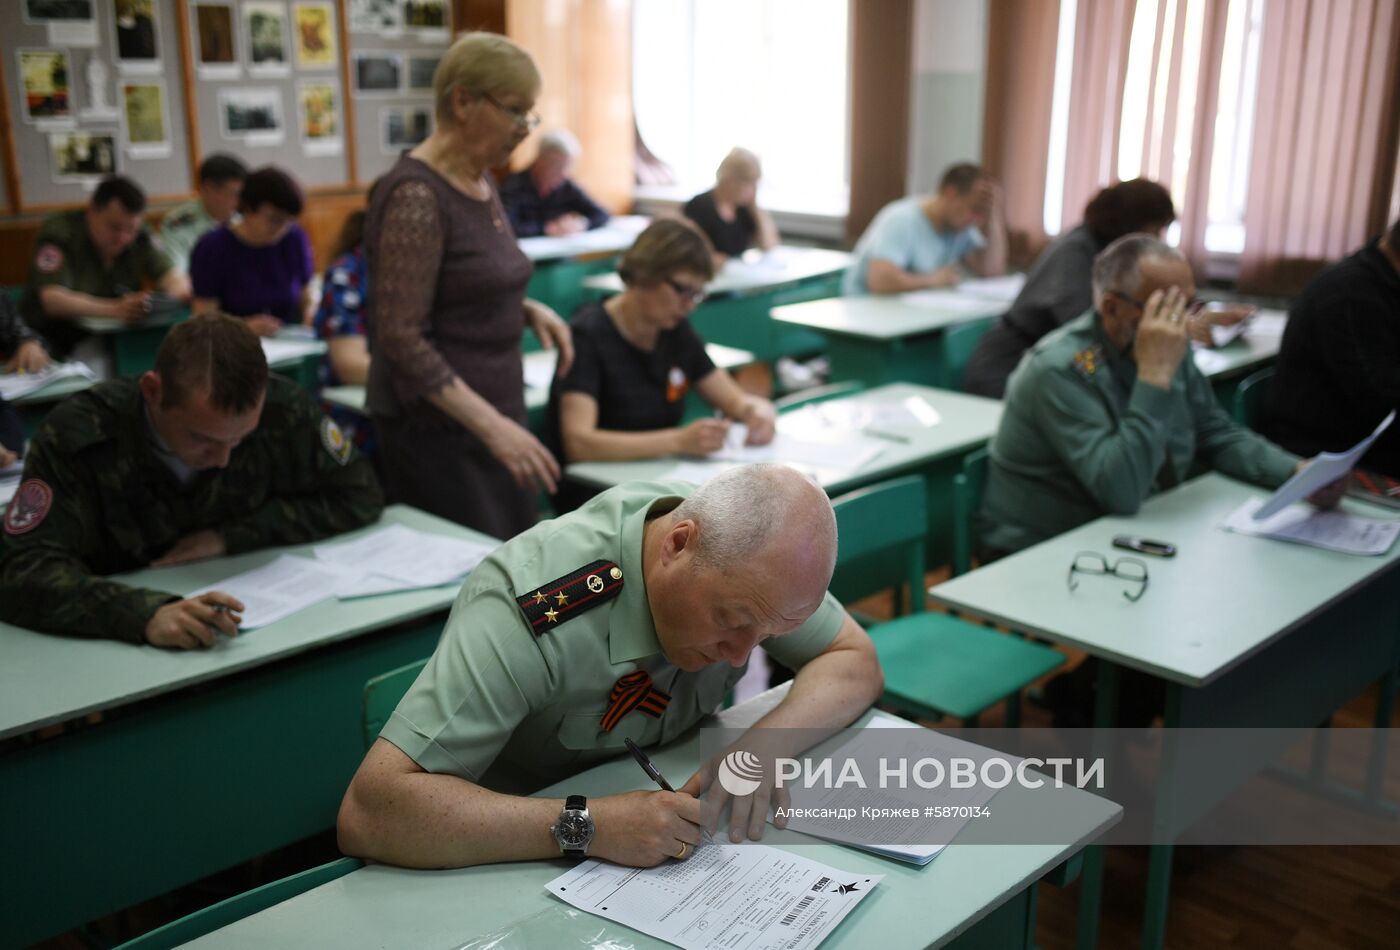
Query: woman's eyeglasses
point(525, 119)
point(687, 294)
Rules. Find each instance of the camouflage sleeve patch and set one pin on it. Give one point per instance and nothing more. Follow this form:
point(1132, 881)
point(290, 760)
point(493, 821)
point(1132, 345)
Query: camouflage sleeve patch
point(566, 597)
point(29, 507)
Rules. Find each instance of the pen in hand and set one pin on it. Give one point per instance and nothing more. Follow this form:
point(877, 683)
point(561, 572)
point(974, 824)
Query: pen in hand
point(655, 775)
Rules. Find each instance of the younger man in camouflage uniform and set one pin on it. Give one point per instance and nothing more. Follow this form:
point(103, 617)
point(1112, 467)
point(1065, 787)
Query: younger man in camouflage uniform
point(96, 262)
point(203, 456)
point(220, 183)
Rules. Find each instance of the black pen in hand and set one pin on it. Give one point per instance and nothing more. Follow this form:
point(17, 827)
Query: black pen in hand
point(655, 775)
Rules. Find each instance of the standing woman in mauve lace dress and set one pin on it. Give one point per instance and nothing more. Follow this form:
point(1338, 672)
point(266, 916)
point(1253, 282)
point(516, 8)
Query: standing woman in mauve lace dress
point(447, 304)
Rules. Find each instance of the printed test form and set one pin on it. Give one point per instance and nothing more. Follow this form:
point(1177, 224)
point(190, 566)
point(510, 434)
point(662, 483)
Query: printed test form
point(736, 897)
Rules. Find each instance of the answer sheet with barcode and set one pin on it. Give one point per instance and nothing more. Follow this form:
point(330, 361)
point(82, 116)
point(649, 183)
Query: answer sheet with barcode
point(738, 897)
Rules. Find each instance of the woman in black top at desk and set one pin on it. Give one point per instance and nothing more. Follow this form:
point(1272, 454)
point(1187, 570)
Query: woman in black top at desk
point(1058, 287)
point(635, 358)
point(729, 214)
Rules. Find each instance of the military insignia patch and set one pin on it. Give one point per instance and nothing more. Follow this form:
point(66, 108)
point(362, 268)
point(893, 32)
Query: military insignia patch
point(335, 441)
point(565, 597)
point(1087, 361)
point(48, 259)
point(29, 507)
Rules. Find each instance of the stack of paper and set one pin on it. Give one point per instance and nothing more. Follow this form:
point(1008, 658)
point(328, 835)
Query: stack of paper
point(843, 452)
point(952, 301)
point(751, 896)
point(15, 385)
point(1002, 289)
point(282, 350)
point(1304, 524)
point(396, 558)
point(277, 590)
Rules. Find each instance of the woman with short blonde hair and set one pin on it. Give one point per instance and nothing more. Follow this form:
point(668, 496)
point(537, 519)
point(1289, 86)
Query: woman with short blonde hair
point(447, 305)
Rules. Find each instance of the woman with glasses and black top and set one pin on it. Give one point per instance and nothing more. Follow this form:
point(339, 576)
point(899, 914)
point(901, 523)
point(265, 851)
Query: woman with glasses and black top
point(447, 305)
point(636, 357)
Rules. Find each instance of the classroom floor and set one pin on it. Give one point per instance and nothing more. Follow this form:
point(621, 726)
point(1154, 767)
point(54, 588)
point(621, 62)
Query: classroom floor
point(1298, 898)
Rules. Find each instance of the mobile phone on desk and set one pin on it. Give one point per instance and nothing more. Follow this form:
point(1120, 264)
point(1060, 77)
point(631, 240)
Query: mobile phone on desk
point(1129, 542)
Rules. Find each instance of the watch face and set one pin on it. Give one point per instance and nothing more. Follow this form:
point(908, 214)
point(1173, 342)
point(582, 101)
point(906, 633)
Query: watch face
point(573, 830)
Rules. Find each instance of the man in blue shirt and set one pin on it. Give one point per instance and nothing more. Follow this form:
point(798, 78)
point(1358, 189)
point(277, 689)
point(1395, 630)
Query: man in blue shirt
point(543, 200)
point(916, 243)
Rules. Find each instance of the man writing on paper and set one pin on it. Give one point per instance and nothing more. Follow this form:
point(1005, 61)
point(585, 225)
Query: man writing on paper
point(203, 456)
point(628, 618)
point(95, 262)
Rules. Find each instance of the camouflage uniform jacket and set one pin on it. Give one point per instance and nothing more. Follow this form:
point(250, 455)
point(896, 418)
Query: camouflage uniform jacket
point(95, 499)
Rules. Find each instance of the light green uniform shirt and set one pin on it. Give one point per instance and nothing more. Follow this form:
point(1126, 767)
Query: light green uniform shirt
point(515, 709)
point(1081, 437)
point(181, 229)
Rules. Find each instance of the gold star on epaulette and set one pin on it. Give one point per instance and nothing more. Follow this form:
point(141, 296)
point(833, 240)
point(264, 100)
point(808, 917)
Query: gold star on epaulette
point(556, 603)
point(552, 616)
point(561, 598)
point(539, 597)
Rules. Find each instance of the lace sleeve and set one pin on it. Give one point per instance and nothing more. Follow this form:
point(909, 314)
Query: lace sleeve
point(410, 244)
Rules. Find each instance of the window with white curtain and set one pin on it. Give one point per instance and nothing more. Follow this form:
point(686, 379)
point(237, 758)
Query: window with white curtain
point(1146, 106)
point(769, 75)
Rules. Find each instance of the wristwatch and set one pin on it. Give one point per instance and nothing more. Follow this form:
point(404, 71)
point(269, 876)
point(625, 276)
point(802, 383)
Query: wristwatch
point(574, 828)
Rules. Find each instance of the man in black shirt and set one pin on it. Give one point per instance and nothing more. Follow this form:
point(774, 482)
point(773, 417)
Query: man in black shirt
point(1338, 370)
point(542, 199)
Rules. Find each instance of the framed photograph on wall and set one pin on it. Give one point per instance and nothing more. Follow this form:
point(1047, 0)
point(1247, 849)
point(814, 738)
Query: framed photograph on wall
point(402, 127)
point(82, 156)
point(378, 73)
point(253, 116)
point(57, 11)
point(265, 26)
point(384, 17)
point(145, 121)
point(46, 78)
point(426, 15)
point(318, 109)
point(420, 72)
point(216, 44)
point(313, 26)
point(137, 36)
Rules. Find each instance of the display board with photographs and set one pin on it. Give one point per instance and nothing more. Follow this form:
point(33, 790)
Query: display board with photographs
point(91, 94)
point(395, 48)
point(271, 84)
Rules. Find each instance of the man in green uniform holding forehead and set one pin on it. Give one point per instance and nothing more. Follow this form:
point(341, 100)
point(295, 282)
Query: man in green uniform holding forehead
point(205, 455)
point(628, 618)
point(1111, 408)
point(100, 262)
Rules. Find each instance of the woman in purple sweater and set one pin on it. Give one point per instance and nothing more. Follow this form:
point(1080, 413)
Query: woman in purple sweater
point(259, 266)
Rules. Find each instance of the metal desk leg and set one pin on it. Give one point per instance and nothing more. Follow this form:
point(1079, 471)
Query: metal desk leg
point(1159, 868)
point(1091, 886)
point(1385, 710)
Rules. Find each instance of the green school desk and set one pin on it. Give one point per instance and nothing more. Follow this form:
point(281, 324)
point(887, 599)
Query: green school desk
point(970, 896)
point(199, 760)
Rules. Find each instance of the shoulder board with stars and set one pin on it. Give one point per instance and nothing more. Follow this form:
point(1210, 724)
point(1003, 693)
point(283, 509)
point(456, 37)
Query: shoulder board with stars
point(1087, 360)
point(566, 597)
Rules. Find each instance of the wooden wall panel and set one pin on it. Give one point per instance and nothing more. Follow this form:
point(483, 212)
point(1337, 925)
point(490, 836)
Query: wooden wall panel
point(880, 76)
point(583, 49)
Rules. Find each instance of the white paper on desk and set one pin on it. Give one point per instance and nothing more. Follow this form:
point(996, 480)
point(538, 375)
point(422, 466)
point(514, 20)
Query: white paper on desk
point(1303, 524)
point(279, 589)
point(1003, 289)
point(902, 839)
point(753, 897)
point(15, 385)
point(1268, 323)
point(539, 373)
point(9, 484)
point(395, 558)
point(1323, 470)
point(843, 453)
point(277, 350)
point(697, 473)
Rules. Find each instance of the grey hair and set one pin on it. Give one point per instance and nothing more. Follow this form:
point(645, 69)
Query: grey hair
point(1118, 268)
point(559, 140)
point(740, 511)
point(739, 163)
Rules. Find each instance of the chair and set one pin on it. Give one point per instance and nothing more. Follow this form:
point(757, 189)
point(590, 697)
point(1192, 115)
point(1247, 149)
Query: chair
point(382, 693)
point(935, 664)
point(206, 921)
point(967, 498)
point(959, 343)
point(1251, 394)
point(806, 397)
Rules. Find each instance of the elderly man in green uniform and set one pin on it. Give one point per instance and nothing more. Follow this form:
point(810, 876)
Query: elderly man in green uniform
point(203, 456)
point(628, 618)
point(220, 183)
point(100, 261)
point(1110, 408)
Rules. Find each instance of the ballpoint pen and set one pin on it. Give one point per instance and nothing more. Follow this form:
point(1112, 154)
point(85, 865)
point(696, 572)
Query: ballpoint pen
point(655, 775)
